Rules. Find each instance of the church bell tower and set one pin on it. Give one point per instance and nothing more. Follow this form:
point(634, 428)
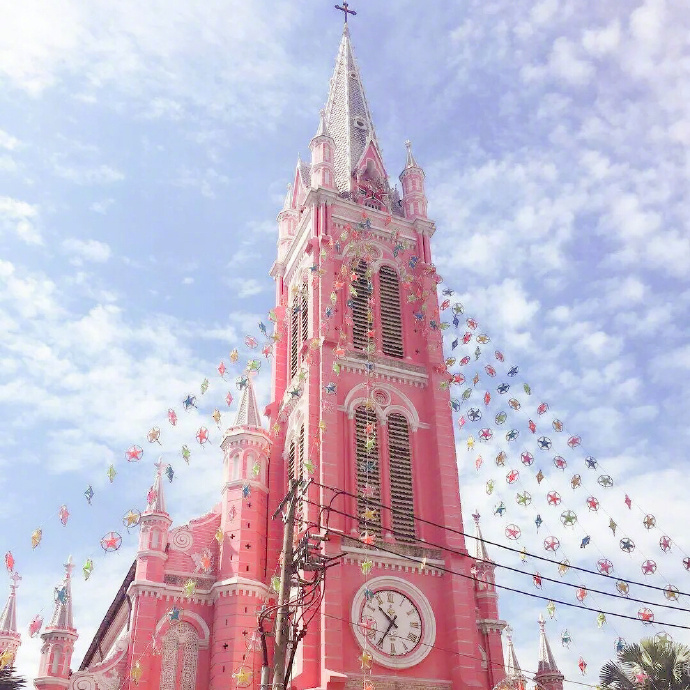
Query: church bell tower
point(360, 405)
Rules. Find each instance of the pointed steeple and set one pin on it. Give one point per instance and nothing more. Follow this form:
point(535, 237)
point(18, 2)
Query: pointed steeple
point(62, 614)
point(480, 552)
point(512, 665)
point(248, 410)
point(547, 663)
point(347, 117)
point(8, 618)
point(322, 130)
point(155, 499)
point(287, 203)
point(410, 162)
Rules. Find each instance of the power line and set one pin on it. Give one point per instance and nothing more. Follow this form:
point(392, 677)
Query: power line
point(497, 544)
point(504, 587)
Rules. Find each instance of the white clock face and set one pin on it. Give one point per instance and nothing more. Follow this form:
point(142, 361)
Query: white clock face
point(394, 621)
point(391, 622)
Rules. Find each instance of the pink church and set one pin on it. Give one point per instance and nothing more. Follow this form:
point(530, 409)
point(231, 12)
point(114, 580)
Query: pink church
point(185, 616)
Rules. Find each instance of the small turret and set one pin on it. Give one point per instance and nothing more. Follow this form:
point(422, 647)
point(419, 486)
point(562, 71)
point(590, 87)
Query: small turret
point(513, 671)
point(10, 639)
point(412, 179)
point(153, 536)
point(548, 676)
point(59, 638)
point(322, 156)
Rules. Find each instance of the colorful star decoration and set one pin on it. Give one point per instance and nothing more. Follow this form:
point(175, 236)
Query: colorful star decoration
point(243, 676)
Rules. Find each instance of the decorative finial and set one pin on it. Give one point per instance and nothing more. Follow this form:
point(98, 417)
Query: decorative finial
point(509, 633)
point(344, 9)
point(541, 621)
point(476, 516)
point(408, 144)
point(69, 566)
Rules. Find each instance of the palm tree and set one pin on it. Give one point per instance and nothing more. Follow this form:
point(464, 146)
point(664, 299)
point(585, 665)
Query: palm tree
point(9, 680)
point(653, 664)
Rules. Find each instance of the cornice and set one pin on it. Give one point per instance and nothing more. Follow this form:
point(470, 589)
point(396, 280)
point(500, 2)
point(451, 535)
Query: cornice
point(387, 369)
point(487, 625)
point(393, 562)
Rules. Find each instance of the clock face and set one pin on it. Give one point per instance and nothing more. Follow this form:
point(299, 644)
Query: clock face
point(393, 620)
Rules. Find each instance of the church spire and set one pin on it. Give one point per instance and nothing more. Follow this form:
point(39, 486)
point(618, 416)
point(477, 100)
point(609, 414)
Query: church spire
point(248, 410)
point(513, 669)
point(480, 552)
point(155, 499)
point(547, 664)
point(10, 639)
point(348, 119)
point(410, 162)
point(62, 614)
point(548, 676)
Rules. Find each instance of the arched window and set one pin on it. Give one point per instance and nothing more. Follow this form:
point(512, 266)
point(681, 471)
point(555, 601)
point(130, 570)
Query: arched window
point(400, 463)
point(360, 307)
point(55, 668)
point(180, 654)
point(368, 473)
point(391, 320)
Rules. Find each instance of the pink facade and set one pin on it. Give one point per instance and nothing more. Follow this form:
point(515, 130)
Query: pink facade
point(204, 635)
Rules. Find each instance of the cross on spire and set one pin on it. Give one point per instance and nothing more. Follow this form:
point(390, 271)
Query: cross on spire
point(15, 577)
point(344, 9)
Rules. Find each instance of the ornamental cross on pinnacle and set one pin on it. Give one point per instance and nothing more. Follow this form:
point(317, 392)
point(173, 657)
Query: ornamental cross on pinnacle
point(344, 9)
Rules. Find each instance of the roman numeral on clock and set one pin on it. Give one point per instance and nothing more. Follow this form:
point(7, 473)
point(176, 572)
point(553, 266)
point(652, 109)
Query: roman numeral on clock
point(412, 637)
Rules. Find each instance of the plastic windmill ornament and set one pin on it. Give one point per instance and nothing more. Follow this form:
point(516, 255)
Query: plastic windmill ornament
point(154, 435)
point(111, 542)
point(186, 454)
point(35, 626)
point(87, 568)
point(243, 677)
point(134, 454)
point(9, 561)
point(63, 514)
point(36, 537)
point(89, 493)
point(131, 518)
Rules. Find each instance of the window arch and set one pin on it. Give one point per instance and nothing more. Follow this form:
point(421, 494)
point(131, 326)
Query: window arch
point(180, 655)
point(368, 472)
point(400, 464)
point(391, 318)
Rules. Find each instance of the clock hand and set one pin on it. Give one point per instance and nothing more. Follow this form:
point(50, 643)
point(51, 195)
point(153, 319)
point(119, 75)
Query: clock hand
point(388, 629)
point(392, 620)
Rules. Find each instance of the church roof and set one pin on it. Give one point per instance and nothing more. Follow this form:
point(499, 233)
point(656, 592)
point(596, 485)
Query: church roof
point(248, 410)
point(547, 663)
point(8, 618)
point(348, 119)
point(119, 601)
point(62, 614)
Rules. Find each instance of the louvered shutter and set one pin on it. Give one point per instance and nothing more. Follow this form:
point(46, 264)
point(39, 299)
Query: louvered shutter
point(402, 500)
point(291, 462)
point(294, 336)
point(391, 322)
point(360, 307)
point(305, 313)
point(367, 467)
point(300, 468)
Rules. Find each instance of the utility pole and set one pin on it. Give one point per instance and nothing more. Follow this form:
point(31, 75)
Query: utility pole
point(286, 571)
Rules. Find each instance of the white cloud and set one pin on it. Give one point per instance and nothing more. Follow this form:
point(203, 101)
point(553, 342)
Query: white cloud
point(207, 181)
point(87, 250)
point(101, 174)
point(187, 280)
point(20, 217)
point(7, 141)
point(246, 287)
point(102, 206)
point(600, 42)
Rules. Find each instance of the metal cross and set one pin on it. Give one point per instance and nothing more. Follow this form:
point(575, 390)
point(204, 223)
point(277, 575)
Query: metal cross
point(15, 577)
point(345, 11)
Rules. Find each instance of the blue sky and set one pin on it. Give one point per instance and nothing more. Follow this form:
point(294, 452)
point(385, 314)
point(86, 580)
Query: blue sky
point(144, 153)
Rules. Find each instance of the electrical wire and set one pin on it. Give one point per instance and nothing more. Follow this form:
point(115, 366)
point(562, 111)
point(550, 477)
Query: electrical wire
point(504, 587)
point(495, 544)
